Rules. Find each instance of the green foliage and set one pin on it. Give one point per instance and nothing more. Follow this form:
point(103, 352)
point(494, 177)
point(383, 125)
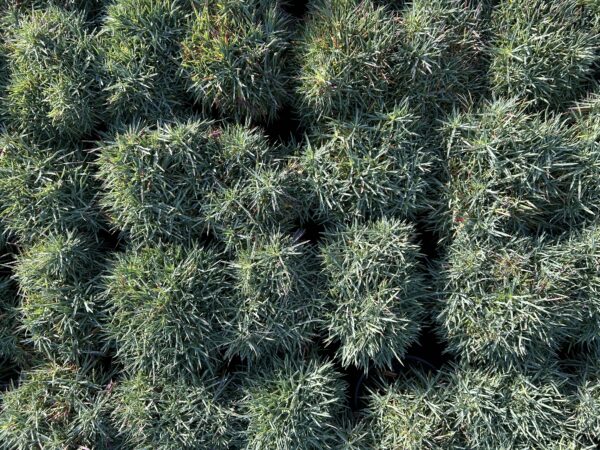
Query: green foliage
point(253, 189)
point(44, 190)
point(294, 404)
point(164, 302)
point(541, 51)
point(154, 179)
point(411, 414)
point(500, 304)
point(169, 414)
point(345, 57)
point(53, 89)
point(373, 290)
point(366, 167)
point(273, 304)
point(514, 172)
point(140, 57)
point(61, 313)
point(54, 407)
point(586, 402)
point(438, 63)
point(234, 57)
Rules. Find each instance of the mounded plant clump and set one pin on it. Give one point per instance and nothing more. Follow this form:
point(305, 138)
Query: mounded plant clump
point(169, 413)
point(164, 302)
point(234, 57)
point(140, 42)
point(273, 305)
point(542, 51)
point(367, 167)
point(45, 190)
point(13, 350)
point(52, 407)
point(293, 404)
point(60, 310)
point(374, 291)
point(53, 87)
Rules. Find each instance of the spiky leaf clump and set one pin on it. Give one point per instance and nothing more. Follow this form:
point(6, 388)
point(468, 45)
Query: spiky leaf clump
point(154, 179)
point(164, 302)
point(541, 51)
point(295, 405)
point(169, 414)
point(140, 47)
point(59, 282)
point(586, 414)
point(366, 167)
point(273, 304)
point(44, 190)
point(510, 410)
point(411, 414)
point(54, 407)
point(374, 291)
point(438, 63)
point(345, 58)
point(234, 58)
point(52, 92)
point(514, 172)
point(253, 187)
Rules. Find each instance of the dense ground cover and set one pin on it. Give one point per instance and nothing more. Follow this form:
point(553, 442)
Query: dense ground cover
point(322, 224)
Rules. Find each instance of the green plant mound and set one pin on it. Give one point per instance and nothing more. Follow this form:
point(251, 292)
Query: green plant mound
point(140, 42)
point(500, 305)
point(367, 167)
point(272, 306)
point(163, 303)
point(60, 310)
point(294, 404)
point(45, 190)
point(541, 51)
point(514, 172)
point(374, 291)
point(439, 60)
point(154, 179)
point(345, 58)
point(54, 407)
point(234, 57)
point(169, 414)
point(53, 89)
point(13, 349)
point(254, 187)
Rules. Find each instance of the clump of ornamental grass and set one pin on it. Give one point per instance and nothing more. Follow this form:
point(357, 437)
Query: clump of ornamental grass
point(345, 58)
point(541, 51)
point(140, 56)
point(510, 409)
point(253, 187)
point(293, 404)
point(44, 189)
point(54, 407)
point(499, 305)
point(373, 290)
point(370, 166)
point(438, 63)
point(60, 309)
point(154, 179)
point(509, 171)
point(164, 302)
point(272, 304)
point(53, 88)
point(234, 58)
point(168, 413)
point(411, 414)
